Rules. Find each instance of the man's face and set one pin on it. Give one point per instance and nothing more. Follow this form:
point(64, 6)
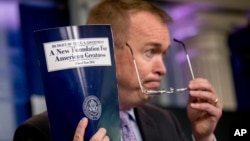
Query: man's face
point(149, 40)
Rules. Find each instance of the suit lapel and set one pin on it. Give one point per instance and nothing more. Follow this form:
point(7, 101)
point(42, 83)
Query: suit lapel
point(146, 124)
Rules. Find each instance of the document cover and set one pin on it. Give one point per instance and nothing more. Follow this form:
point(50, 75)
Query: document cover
point(78, 70)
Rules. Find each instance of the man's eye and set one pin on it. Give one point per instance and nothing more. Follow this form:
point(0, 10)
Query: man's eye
point(149, 53)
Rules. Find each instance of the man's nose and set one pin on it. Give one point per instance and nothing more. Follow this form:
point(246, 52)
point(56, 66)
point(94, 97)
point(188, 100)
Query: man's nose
point(159, 67)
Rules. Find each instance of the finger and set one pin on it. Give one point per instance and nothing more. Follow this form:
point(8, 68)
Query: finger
point(203, 95)
point(80, 129)
point(106, 138)
point(209, 108)
point(99, 135)
point(201, 84)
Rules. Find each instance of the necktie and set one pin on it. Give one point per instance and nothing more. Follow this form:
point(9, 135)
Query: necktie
point(127, 131)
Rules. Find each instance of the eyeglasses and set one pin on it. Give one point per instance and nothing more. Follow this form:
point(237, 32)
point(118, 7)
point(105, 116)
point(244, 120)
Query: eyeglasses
point(187, 56)
point(159, 92)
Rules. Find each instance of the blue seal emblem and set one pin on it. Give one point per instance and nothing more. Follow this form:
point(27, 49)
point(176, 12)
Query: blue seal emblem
point(92, 107)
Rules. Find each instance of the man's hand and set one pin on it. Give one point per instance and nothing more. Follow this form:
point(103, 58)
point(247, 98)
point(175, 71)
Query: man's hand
point(100, 135)
point(204, 109)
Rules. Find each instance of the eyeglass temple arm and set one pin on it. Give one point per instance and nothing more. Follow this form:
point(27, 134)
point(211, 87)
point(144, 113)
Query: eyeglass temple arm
point(187, 56)
point(136, 70)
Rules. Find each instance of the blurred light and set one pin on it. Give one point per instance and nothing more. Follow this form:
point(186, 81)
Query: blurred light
point(9, 17)
point(182, 11)
point(187, 31)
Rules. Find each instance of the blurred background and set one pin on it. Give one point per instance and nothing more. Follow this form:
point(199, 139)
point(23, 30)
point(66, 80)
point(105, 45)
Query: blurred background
point(215, 32)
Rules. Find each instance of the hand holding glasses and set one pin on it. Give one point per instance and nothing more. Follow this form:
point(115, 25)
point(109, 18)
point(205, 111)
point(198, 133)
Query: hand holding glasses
point(159, 92)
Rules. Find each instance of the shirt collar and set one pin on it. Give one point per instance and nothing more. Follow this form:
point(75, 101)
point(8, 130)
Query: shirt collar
point(131, 114)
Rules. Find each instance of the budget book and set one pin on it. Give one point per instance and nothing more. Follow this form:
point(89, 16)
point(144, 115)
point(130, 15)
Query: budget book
point(77, 65)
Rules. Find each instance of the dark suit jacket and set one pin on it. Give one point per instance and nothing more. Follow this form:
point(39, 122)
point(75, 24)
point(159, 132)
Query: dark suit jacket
point(155, 124)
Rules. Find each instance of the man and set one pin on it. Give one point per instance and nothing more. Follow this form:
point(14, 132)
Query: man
point(140, 33)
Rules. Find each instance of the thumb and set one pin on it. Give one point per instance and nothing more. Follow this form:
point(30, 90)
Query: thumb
point(80, 129)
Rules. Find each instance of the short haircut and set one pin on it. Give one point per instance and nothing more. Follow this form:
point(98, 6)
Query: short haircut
point(117, 14)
